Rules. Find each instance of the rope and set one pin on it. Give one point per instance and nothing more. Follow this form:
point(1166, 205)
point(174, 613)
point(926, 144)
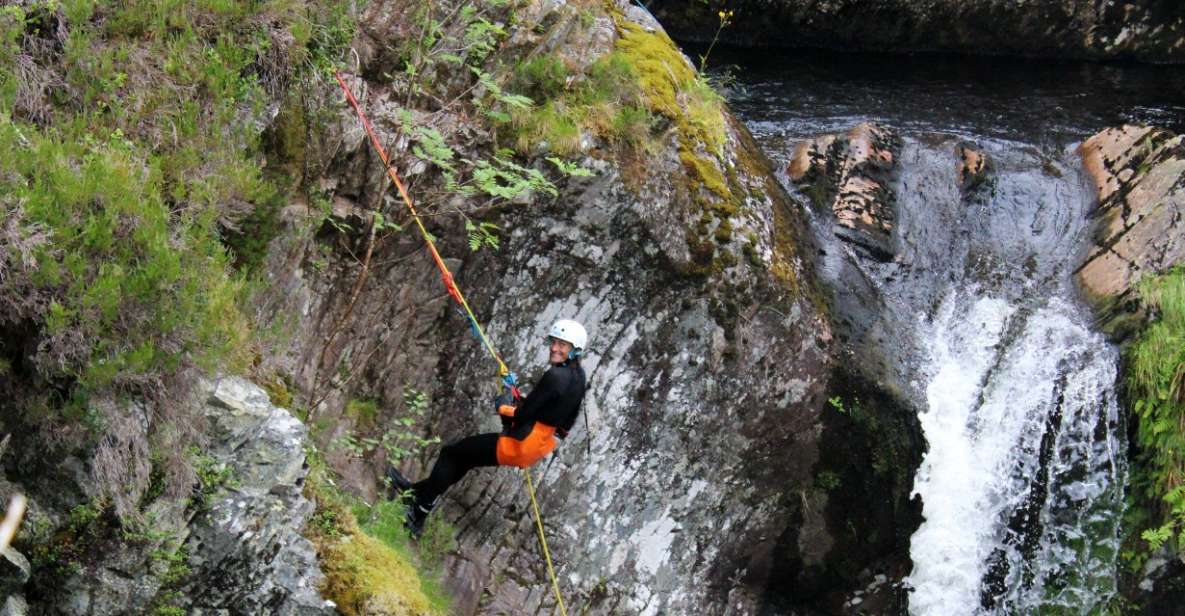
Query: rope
point(455, 292)
point(445, 275)
point(555, 585)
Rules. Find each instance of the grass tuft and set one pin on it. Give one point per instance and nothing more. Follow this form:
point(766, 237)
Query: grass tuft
point(370, 563)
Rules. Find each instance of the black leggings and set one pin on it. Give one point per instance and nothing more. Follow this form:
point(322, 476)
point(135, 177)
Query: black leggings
point(455, 460)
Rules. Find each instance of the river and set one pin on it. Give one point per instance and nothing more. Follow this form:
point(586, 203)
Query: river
point(976, 318)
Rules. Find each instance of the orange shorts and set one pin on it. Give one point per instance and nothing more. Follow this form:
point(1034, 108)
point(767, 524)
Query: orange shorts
point(540, 442)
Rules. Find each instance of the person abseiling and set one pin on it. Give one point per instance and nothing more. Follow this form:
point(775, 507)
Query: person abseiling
point(529, 429)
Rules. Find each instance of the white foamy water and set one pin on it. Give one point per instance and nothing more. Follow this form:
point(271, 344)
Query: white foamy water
point(1021, 486)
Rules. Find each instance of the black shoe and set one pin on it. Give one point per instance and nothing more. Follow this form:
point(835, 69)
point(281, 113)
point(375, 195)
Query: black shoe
point(415, 518)
point(396, 483)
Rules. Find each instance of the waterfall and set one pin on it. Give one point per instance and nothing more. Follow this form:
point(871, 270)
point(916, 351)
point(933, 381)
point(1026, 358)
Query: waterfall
point(975, 321)
point(1022, 484)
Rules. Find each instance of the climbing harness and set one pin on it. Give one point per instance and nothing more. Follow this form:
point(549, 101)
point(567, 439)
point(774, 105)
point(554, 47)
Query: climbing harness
point(506, 377)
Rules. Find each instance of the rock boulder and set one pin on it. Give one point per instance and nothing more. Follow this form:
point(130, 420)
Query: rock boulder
point(851, 175)
point(246, 551)
point(1139, 173)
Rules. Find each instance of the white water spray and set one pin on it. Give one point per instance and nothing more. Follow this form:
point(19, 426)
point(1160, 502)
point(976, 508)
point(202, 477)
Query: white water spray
point(1021, 487)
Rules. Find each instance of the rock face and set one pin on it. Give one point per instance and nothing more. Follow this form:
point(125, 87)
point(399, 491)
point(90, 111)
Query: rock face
point(246, 552)
point(707, 365)
point(14, 605)
point(850, 174)
point(14, 571)
point(1152, 30)
point(1139, 173)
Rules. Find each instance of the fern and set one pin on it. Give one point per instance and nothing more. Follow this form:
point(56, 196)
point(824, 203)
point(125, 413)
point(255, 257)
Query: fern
point(481, 234)
point(570, 169)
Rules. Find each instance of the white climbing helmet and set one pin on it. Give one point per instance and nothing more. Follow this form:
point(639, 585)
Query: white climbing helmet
point(569, 331)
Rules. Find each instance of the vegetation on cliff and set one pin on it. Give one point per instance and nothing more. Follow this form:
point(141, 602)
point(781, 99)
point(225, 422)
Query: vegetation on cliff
point(131, 153)
point(136, 194)
point(147, 148)
point(1156, 390)
point(370, 564)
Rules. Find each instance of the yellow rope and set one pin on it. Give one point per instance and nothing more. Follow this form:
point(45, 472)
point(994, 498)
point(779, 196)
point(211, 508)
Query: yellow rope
point(448, 278)
point(543, 541)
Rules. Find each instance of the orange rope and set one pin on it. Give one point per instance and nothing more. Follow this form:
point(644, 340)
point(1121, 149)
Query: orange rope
point(445, 275)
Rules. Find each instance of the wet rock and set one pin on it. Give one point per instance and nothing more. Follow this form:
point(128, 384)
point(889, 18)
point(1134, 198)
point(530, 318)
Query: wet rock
point(1161, 585)
point(14, 571)
point(972, 167)
point(1139, 173)
point(850, 174)
point(14, 605)
point(810, 158)
point(246, 551)
point(1152, 30)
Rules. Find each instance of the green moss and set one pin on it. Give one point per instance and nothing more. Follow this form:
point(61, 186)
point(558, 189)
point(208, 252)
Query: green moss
point(724, 232)
point(367, 573)
point(279, 391)
point(606, 101)
point(662, 70)
point(673, 88)
point(363, 412)
point(706, 172)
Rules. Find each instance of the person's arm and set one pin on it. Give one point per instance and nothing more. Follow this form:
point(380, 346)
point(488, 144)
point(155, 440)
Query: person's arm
point(545, 392)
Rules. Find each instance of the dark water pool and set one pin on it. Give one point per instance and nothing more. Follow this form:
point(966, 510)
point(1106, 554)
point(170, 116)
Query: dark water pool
point(794, 93)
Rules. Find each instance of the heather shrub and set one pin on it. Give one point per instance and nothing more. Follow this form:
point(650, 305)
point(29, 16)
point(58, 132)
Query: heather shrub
point(133, 190)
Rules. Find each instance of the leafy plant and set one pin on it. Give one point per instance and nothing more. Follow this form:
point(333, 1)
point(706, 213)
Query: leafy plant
point(725, 17)
point(398, 441)
point(213, 476)
point(827, 481)
point(1156, 387)
point(570, 169)
point(481, 234)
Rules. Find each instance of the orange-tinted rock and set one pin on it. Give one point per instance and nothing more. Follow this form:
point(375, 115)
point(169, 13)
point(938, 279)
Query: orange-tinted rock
point(849, 173)
point(808, 155)
point(1139, 173)
point(972, 168)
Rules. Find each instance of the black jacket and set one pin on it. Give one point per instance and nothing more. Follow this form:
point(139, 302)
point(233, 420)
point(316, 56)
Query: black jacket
point(555, 401)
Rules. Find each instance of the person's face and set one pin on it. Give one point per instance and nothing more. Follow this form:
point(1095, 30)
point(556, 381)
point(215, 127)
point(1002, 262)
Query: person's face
point(559, 350)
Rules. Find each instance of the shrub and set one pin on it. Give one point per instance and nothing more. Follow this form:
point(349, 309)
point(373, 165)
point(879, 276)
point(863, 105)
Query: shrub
point(1156, 389)
point(124, 290)
point(131, 185)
